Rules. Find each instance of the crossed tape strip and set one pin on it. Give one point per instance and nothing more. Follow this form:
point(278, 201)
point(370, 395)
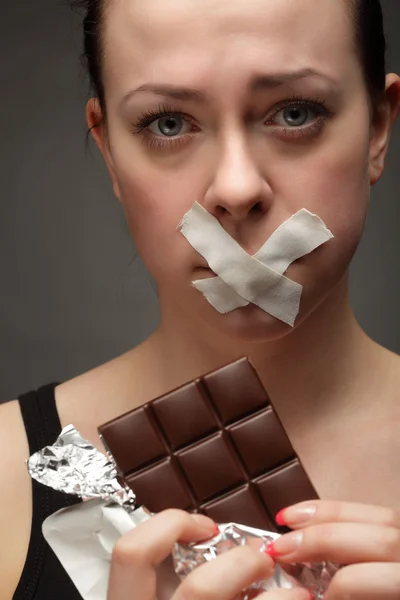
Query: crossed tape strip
point(243, 279)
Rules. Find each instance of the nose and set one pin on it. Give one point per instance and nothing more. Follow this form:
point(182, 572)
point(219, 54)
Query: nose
point(238, 188)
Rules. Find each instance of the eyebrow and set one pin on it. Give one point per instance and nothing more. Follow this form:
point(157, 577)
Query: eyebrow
point(258, 83)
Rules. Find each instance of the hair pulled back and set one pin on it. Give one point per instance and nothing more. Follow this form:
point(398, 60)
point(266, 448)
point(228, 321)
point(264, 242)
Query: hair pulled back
point(366, 16)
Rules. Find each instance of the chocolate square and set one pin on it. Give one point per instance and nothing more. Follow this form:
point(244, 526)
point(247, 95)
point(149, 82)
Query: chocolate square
point(192, 420)
point(261, 442)
point(211, 467)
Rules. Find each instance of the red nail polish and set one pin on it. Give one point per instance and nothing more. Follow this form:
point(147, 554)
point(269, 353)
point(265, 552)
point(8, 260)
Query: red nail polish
point(280, 518)
point(311, 595)
point(270, 550)
point(216, 531)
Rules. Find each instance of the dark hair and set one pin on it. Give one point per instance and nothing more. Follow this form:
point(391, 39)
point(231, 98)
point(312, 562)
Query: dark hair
point(93, 45)
point(366, 15)
point(371, 47)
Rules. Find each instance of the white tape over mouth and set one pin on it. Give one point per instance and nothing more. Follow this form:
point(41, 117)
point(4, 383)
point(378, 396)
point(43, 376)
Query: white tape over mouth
point(243, 279)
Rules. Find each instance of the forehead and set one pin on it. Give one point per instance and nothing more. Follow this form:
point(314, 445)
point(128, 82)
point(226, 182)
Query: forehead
point(196, 41)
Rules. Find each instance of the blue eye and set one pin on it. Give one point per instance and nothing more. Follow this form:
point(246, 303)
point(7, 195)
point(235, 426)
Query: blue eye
point(162, 121)
point(300, 118)
point(296, 117)
point(296, 113)
point(169, 126)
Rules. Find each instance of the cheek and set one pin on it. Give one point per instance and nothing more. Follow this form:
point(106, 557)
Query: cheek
point(347, 192)
point(338, 188)
point(336, 180)
point(154, 206)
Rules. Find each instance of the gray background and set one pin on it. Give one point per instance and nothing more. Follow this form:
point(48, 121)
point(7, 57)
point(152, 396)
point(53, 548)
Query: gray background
point(73, 292)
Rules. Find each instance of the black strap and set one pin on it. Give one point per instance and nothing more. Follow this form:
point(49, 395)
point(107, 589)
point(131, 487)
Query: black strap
point(42, 425)
point(40, 416)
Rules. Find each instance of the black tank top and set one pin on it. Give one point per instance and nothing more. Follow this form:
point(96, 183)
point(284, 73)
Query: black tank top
point(43, 577)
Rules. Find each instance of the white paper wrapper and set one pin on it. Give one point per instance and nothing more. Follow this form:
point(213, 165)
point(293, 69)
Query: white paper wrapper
point(83, 537)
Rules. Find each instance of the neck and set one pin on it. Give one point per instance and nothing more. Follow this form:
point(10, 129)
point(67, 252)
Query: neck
point(309, 374)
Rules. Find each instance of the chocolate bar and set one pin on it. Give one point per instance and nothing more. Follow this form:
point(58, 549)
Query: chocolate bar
point(215, 446)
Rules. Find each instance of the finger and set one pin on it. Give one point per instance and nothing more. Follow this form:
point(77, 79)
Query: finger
point(225, 577)
point(136, 553)
point(294, 594)
point(152, 541)
point(338, 542)
point(366, 582)
point(311, 513)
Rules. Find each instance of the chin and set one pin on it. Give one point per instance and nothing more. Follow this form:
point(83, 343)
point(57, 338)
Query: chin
point(249, 324)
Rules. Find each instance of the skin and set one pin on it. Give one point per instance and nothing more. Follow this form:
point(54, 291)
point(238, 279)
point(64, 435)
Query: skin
point(236, 161)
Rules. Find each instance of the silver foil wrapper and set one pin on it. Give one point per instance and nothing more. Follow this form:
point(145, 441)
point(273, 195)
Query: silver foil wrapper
point(73, 466)
point(315, 578)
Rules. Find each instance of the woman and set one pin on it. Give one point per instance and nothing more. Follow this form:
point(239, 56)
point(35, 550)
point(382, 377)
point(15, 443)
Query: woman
point(254, 110)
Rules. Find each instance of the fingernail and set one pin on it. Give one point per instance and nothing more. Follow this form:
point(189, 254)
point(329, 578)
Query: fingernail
point(287, 544)
point(270, 550)
point(296, 515)
point(280, 518)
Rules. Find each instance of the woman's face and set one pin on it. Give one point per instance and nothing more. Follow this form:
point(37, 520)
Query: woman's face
point(252, 150)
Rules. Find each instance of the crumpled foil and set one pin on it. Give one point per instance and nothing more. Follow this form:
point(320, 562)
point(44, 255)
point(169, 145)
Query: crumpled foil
point(315, 578)
point(73, 466)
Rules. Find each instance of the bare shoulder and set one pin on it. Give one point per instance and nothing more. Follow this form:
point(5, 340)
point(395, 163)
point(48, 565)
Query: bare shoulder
point(15, 498)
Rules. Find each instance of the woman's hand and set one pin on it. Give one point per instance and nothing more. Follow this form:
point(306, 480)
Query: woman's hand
point(364, 538)
point(138, 553)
